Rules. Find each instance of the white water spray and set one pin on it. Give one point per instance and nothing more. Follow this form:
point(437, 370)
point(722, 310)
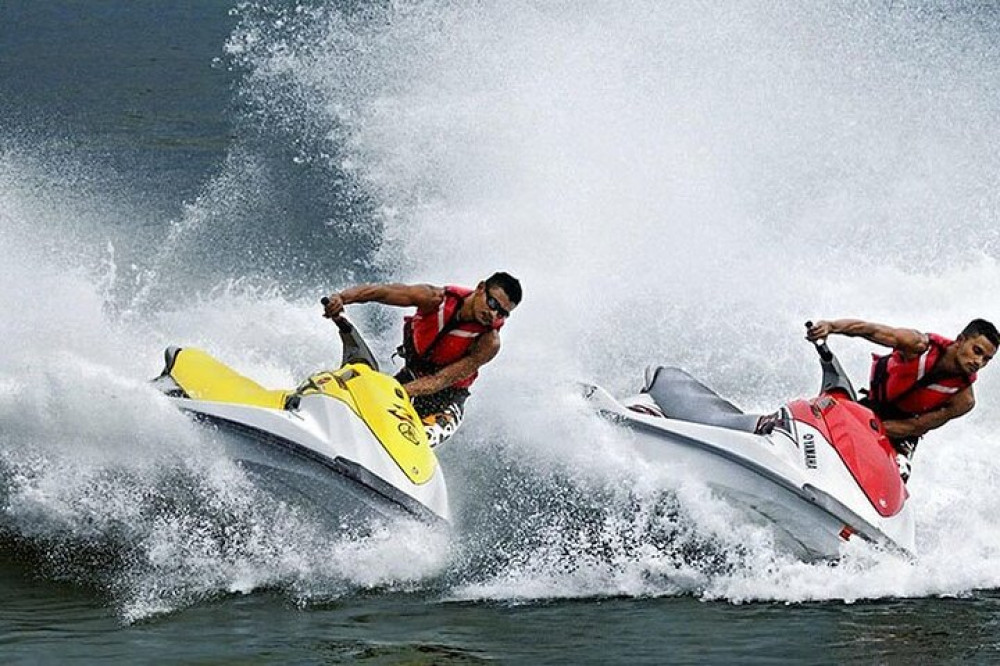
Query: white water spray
point(673, 182)
point(685, 184)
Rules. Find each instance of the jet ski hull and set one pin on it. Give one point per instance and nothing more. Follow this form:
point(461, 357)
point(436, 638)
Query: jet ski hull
point(340, 489)
point(322, 451)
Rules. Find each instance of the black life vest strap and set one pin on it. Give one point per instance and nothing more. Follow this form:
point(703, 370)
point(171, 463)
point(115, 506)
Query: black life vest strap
point(880, 381)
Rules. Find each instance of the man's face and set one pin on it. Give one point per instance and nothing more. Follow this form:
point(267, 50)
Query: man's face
point(974, 353)
point(492, 303)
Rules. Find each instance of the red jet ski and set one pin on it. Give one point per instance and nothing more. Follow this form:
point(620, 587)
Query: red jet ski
point(821, 471)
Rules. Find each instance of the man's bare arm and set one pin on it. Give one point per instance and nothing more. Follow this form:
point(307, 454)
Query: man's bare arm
point(482, 352)
point(907, 340)
point(962, 403)
point(422, 296)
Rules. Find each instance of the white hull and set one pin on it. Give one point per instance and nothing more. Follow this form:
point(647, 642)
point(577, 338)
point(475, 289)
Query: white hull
point(324, 452)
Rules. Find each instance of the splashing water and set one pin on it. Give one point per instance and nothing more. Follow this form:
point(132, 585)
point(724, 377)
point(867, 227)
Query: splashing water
point(672, 182)
point(682, 184)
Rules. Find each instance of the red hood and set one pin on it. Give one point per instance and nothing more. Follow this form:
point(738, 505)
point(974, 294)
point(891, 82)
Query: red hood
point(858, 437)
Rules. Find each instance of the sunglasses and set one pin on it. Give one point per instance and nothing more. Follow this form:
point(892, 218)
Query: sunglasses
point(494, 304)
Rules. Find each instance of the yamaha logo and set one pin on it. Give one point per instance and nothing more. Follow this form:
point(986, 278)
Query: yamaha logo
point(809, 448)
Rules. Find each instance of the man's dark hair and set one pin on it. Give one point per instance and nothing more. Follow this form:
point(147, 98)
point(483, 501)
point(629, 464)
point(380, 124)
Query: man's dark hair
point(508, 283)
point(983, 328)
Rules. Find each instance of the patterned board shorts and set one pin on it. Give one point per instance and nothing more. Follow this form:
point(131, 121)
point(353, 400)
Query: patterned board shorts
point(442, 425)
point(441, 412)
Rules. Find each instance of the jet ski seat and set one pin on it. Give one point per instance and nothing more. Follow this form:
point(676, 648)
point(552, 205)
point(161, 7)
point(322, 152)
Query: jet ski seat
point(683, 397)
point(192, 373)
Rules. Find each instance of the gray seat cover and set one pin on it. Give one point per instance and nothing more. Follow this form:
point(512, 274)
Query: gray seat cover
point(683, 397)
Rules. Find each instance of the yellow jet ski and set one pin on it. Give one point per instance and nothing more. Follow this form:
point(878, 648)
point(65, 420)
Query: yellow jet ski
point(348, 439)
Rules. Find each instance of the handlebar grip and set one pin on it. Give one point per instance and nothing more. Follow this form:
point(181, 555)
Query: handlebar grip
point(340, 320)
point(824, 351)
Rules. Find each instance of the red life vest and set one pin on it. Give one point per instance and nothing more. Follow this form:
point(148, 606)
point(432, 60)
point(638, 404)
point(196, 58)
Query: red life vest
point(433, 340)
point(899, 387)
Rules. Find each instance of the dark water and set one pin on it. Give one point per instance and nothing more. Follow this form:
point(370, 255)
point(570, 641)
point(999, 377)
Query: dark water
point(44, 622)
point(134, 90)
point(225, 195)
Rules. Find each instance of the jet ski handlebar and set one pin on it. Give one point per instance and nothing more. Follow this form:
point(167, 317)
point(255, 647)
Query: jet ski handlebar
point(821, 348)
point(355, 348)
point(834, 377)
point(340, 320)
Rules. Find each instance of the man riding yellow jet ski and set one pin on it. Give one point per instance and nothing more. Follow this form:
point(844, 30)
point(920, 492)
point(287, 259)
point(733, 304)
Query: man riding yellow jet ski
point(349, 439)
